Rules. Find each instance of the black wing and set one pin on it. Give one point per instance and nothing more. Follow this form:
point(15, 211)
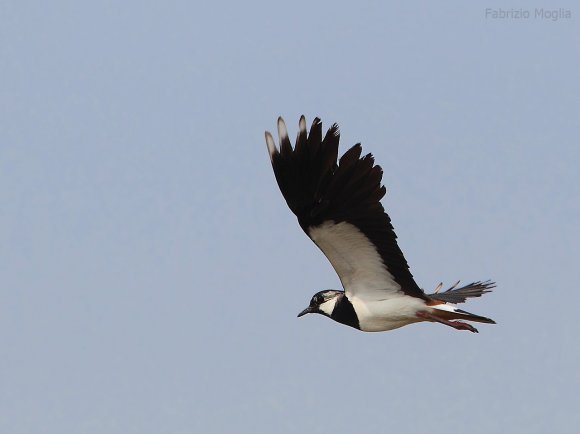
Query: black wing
point(338, 206)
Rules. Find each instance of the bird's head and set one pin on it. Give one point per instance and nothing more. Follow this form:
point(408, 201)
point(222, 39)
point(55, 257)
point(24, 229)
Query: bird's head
point(323, 302)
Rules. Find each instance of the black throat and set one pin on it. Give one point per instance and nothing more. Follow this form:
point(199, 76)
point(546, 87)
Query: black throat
point(344, 312)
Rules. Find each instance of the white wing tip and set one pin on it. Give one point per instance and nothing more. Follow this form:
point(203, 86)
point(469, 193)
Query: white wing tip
point(272, 150)
point(302, 124)
point(282, 130)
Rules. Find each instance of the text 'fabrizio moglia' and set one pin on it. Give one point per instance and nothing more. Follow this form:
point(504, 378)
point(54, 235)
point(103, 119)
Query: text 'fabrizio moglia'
point(527, 14)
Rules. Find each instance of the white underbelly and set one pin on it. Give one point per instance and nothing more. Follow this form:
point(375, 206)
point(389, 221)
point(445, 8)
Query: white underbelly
point(395, 312)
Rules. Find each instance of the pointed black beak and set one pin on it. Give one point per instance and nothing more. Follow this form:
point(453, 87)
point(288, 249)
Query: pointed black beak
point(305, 311)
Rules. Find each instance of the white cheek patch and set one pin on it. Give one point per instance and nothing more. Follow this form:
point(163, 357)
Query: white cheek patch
point(328, 306)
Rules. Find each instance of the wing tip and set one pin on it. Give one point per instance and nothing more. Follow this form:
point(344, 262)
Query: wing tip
point(272, 150)
point(334, 130)
point(302, 124)
point(282, 130)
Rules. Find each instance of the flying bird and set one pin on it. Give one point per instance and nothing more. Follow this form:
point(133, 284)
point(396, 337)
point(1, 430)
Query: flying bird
point(337, 203)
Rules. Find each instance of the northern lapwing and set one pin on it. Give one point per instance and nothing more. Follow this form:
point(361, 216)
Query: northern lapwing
point(338, 206)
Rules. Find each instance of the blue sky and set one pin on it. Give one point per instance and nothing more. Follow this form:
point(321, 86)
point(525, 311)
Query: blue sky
point(151, 272)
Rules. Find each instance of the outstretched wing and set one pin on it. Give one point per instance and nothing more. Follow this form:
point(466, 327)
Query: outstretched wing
point(338, 206)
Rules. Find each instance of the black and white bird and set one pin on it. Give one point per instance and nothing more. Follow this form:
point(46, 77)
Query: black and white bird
point(338, 206)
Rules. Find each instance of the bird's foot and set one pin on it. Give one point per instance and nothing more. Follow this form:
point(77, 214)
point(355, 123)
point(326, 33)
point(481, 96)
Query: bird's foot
point(462, 326)
point(458, 325)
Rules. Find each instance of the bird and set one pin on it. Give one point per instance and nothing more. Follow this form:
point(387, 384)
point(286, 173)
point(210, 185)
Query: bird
point(338, 205)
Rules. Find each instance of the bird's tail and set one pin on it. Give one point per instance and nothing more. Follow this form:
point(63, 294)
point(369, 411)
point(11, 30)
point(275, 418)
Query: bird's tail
point(460, 295)
point(448, 312)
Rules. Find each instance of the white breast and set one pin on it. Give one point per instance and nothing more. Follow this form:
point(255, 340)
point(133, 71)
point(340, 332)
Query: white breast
point(389, 314)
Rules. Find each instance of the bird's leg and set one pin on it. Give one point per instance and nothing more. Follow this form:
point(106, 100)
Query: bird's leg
point(455, 324)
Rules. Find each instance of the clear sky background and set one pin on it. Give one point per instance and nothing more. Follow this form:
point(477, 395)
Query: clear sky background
point(151, 273)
